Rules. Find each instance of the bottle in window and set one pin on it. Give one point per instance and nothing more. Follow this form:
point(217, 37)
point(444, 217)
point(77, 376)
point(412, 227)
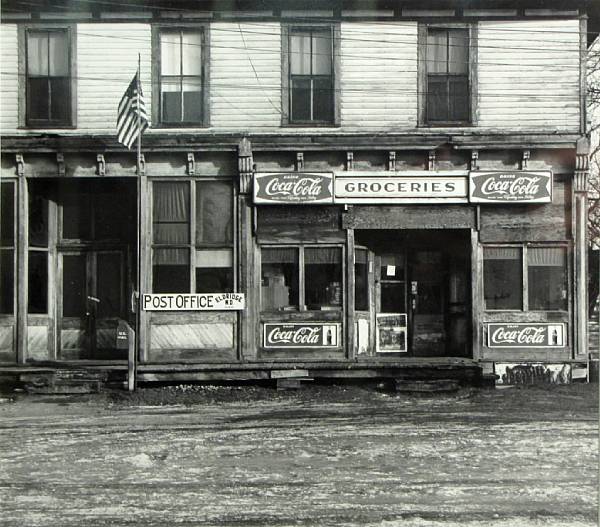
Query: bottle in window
point(329, 339)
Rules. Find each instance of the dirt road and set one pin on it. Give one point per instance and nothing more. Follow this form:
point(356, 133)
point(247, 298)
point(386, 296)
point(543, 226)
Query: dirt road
point(323, 456)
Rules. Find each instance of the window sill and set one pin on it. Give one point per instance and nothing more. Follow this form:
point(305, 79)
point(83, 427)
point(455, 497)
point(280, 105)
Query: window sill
point(47, 126)
point(311, 125)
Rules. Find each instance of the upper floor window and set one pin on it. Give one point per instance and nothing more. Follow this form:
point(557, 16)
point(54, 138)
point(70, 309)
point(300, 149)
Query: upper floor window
point(310, 79)
point(447, 89)
point(180, 79)
point(48, 74)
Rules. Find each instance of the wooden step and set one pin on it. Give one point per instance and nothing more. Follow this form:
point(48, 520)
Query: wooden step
point(64, 381)
point(428, 386)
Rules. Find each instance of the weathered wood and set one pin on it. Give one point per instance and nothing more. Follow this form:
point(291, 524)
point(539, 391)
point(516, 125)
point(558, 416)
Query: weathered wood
point(476, 294)
point(21, 279)
point(189, 376)
point(434, 386)
point(350, 296)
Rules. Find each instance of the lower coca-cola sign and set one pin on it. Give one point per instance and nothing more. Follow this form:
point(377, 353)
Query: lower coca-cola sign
point(294, 188)
point(512, 186)
point(301, 335)
point(526, 335)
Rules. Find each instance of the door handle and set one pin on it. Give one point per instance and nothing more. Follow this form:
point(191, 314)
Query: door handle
point(93, 299)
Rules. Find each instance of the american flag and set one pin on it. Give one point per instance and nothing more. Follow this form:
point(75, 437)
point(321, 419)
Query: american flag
point(128, 127)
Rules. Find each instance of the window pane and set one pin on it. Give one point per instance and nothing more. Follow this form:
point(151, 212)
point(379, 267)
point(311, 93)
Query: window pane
point(59, 54)
point(74, 286)
point(300, 53)
point(170, 59)
point(192, 100)
point(37, 53)
point(77, 217)
point(503, 278)
point(192, 53)
point(38, 282)
point(38, 216)
point(321, 53)
point(7, 281)
point(323, 99)
point(113, 215)
point(323, 277)
point(393, 296)
point(7, 214)
point(361, 280)
point(459, 98)
point(279, 279)
point(547, 277)
point(171, 271)
point(214, 271)
point(300, 100)
point(171, 101)
point(171, 212)
point(108, 288)
point(214, 212)
point(60, 99)
point(38, 99)
point(458, 51)
point(437, 51)
point(437, 98)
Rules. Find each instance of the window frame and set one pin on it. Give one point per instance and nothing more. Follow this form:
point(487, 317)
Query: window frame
point(423, 29)
point(300, 247)
point(192, 246)
point(157, 29)
point(23, 119)
point(523, 247)
point(286, 89)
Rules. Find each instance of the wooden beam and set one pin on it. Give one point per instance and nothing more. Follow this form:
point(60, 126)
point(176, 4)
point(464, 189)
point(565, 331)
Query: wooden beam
point(22, 268)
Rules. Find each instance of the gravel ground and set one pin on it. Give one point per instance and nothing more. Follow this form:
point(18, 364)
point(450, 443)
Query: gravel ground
point(321, 456)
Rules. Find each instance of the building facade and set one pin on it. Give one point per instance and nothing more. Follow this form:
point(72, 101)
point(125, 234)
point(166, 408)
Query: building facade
point(341, 189)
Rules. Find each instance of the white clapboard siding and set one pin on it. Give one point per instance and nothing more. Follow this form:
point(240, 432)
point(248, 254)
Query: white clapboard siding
point(245, 76)
point(107, 59)
point(528, 75)
point(9, 83)
point(378, 75)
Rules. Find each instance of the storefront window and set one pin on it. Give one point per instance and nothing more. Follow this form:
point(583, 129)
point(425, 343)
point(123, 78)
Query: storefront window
point(279, 279)
point(7, 247)
point(503, 278)
point(547, 277)
point(323, 282)
point(361, 280)
point(38, 249)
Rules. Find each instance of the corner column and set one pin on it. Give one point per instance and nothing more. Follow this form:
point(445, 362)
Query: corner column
point(580, 256)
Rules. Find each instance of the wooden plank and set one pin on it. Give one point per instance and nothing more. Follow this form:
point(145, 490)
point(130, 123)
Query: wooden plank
point(21, 244)
point(248, 277)
point(350, 296)
point(288, 374)
point(476, 294)
point(203, 376)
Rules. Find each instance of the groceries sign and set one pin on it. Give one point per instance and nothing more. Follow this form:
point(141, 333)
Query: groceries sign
point(301, 335)
point(304, 188)
point(511, 186)
point(526, 335)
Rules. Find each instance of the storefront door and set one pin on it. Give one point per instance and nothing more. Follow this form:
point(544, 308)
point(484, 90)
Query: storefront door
point(91, 302)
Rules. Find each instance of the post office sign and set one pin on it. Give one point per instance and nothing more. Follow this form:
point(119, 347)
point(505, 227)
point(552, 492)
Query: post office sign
point(293, 188)
point(511, 186)
point(301, 335)
point(193, 302)
point(526, 335)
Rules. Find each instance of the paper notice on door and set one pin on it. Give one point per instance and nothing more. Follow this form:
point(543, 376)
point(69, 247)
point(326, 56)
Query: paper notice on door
point(390, 270)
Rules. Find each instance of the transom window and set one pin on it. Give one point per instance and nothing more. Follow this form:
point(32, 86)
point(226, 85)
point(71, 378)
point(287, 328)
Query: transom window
point(525, 278)
point(447, 92)
point(48, 77)
point(181, 76)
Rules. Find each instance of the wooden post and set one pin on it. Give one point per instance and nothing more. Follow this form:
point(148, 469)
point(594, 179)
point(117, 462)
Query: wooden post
point(350, 319)
point(580, 230)
point(21, 248)
point(476, 294)
point(131, 360)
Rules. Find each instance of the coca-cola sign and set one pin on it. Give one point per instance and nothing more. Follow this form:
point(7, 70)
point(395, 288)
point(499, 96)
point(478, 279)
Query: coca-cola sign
point(301, 335)
point(513, 186)
point(294, 188)
point(526, 335)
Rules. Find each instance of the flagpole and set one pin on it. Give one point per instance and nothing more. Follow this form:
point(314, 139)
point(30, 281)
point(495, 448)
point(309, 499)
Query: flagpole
point(138, 294)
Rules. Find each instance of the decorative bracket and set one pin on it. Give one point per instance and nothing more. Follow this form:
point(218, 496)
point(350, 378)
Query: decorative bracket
point(245, 165)
point(101, 165)
point(299, 161)
point(582, 165)
point(349, 160)
point(191, 164)
point(142, 165)
point(431, 164)
point(20, 164)
point(60, 164)
point(525, 159)
point(474, 159)
point(392, 161)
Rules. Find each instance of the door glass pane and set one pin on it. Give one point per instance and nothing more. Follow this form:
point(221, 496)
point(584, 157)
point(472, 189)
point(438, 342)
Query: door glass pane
point(361, 280)
point(108, 284)
point(503, 278)
point(214, 212)
point(301, 99)
point(300, 53)
point(74, 285)
point(170, 53)
point(323, 277)
point(38, 282)
point(279, 279)
point(321, 53)
point(7, 281)
point(113, 214)
point(192, 100)
point(37, 53)
point(59, 54)
point(547, 277)
point(192, 53)
point(38, 216)
point(323, 99)
point(458, 51)
point(171, 271)
point(77, 217)
point(392, 267)
point(7, 214)
point(393, 297)
point(214, 271)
